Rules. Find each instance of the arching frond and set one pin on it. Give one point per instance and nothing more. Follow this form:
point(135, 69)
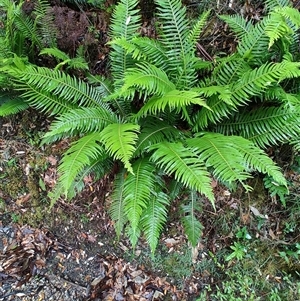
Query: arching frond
point(251, 83)
point(254, 45)
point(187, 167)
point(154, 218)
point(239, 25)
point(80, 120)
point(263, 126)
point(119, 140)
point(45, 101)
point(277, 27)
point(138, 190)
point(192, 226)
point(9, 106)
point(60, 84)
point(28, 29)
point(153, 50)
point(233, 157)
point(78, 157)
point(97, 168)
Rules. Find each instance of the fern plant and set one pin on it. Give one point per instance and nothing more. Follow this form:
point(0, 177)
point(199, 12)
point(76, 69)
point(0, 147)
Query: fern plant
point(159, 123)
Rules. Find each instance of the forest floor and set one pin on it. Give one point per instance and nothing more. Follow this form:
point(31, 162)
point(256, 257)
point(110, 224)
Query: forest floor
point(250, 246)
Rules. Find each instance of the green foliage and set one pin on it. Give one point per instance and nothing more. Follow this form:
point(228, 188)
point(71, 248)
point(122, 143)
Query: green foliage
point(158, 123)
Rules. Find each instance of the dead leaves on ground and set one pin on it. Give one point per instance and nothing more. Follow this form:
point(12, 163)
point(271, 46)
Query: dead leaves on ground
point(25, 255)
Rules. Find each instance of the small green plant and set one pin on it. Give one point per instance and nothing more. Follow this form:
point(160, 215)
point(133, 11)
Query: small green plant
point(239, 251)
point(291, 253)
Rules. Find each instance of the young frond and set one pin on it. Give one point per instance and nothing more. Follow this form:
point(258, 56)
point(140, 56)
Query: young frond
point(9, 106)
point(277, 28)
point(78, 157)
point(138, 189)
point(239, 25)
point(187, 167)
point(292, 16)
point(192, 226)
point(116, 209)
point(195, 32)
point(119, 140)
point(147, 78)
point(173, 100)
point(80, 120)
point(154, 218)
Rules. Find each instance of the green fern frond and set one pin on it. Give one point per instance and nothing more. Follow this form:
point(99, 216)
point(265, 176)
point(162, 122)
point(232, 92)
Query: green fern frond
point(271, 4)
point(233, 157)
point(59, 84)
point(55, 52)
point(97, 168)
point(196, 30)
point(252, 83)
point(45, 101)
point(143, 49)
point(119, 140)
point(117, 209)
point(239, 25)
point(153, 50)
point(263, 126)
point(291, 15)
point(153, 131)
point(154, 218)
point(43, 15)
point(276, 190)
point(138, 189)
point(173, 100)
point(192, 226)
point(223, 92)
point(253, 46)
point(228, 70)
point(187, 167)
point(13, 105)
point(125, 22)
point(277, 27)
point(175, 39)
point(149, 79)
point(80, 120)
point(77, 157)
point(28, 29)
point(129, 47)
